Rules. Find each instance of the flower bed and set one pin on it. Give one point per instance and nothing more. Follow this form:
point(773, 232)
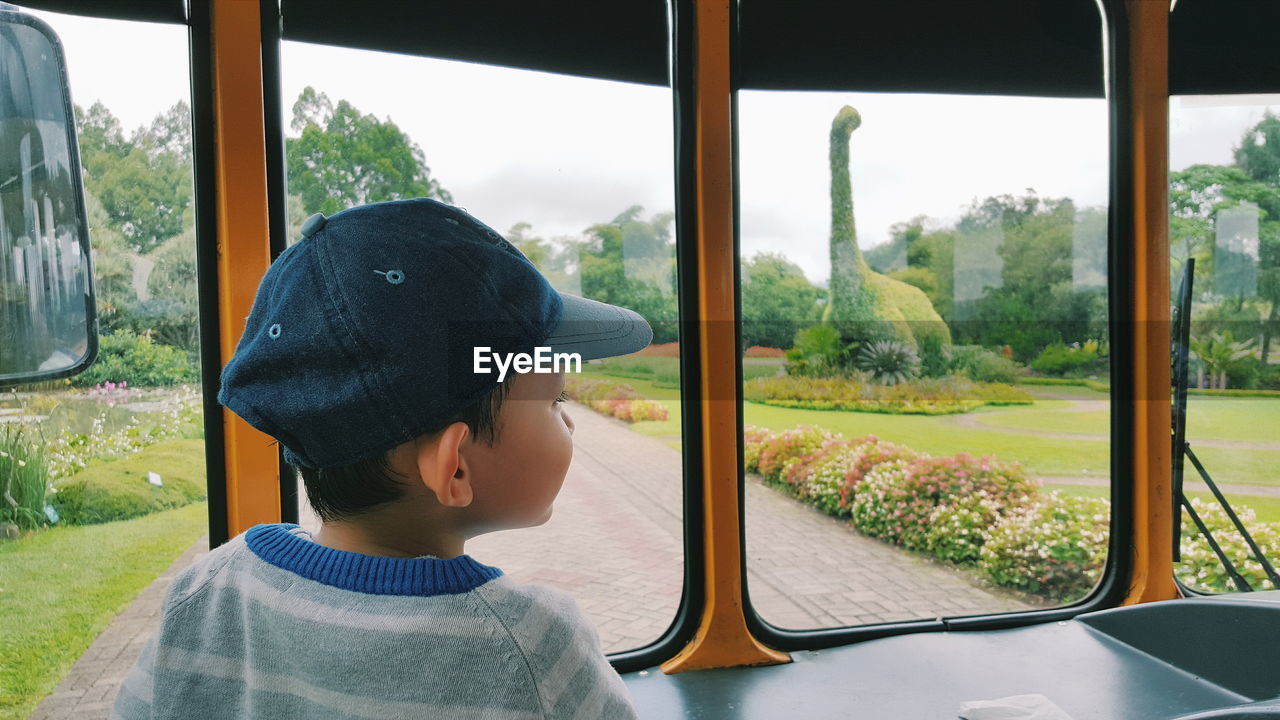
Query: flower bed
point(981, 513)
point(614, 399)
point(929, 396)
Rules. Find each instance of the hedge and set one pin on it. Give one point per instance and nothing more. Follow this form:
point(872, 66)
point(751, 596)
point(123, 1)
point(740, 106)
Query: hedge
point(615, 399)
point(119, 490)
point(980, 512)
point(928, 396)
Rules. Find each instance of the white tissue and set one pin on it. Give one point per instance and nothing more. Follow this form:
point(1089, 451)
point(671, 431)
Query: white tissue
point(1014, 707)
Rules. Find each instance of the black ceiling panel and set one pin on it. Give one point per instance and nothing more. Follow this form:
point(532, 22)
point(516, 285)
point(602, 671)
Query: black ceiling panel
point(615, 39)
point(1014, 47)
point(1222, 47)
point(165, 11)
point(1004, 47)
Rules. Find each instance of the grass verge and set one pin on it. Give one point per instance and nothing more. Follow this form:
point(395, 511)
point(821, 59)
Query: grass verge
point(60, 588)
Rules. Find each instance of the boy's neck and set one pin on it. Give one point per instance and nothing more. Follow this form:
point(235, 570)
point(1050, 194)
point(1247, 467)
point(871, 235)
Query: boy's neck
point(382, 537)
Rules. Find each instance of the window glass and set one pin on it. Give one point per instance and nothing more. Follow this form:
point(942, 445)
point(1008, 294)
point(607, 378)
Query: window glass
point(578, 174)
point(926, 378)
point(1224, 193)
point(103, 474)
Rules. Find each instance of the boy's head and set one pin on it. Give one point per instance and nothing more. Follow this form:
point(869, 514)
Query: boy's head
point(379, 336)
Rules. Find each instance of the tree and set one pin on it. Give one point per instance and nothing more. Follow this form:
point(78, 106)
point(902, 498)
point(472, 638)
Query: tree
point(144, 183)
point(777, 301)
point(1258, 156)
point(1199, 193)
point(344, 158)
point(1259, 153)
point(631, 262)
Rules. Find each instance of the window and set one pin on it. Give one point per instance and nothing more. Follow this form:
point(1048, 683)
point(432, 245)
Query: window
point(926, 376)
point(1224, 197)
point(578, 174)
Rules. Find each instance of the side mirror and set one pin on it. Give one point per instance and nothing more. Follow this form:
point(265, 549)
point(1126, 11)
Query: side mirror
point(48, 328)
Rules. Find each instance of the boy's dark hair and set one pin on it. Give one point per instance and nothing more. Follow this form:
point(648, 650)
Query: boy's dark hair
point(336, 493)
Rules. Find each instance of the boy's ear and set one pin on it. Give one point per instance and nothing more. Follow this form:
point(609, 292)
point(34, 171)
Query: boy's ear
point(444, 470)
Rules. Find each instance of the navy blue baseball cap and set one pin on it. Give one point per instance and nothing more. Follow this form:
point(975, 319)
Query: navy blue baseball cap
point(364, 334)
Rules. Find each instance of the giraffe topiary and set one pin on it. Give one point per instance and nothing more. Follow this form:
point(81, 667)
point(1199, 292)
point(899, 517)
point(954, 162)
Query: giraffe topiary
point(866, 305)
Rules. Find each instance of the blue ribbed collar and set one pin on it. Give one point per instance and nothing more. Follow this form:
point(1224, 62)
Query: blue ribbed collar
point(287, 547)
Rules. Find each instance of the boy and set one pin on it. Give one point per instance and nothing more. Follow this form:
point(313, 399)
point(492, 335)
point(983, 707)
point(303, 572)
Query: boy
point(362, 357)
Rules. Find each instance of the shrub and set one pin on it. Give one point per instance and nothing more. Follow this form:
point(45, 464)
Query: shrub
point(670, 349)
point(899, 501)
point(818, 351)
point(890, 362)
point(753, 441)
point(1200, 567)
point(1059, 359)
point(23, 486)
point(982, 365)
point(1000, 394)
point(614, 399)
point(873, 454)
point(119, 490)
point(818, 476)
point(1269, 377)
point(1054, 548)
point(640, 410)
point(927, 396)
point(788, 447)
point(136, 359)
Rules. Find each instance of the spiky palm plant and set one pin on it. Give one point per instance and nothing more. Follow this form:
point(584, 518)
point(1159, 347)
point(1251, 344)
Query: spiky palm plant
point(889, 361)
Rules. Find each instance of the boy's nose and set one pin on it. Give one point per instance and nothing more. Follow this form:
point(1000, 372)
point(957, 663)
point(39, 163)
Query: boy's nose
point(568, 421)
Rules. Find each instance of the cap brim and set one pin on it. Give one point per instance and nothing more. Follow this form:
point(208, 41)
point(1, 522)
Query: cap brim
point(597, 330)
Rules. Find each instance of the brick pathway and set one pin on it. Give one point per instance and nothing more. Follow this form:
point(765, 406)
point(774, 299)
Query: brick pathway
point(614, 542)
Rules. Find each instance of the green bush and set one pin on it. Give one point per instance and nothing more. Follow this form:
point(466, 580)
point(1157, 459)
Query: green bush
point(23, 486)
point(818, 351)
point(982, 365)
point(925, 396)
point(753, 440)
point(1269, 377)
point(916, 503)
point(1200, 567)
point(787, 447)
point(964, 510)
point(1054, 548)
point(1059, 359)
point(614, 399)
point(119, 490)
point(138, 360)
point(818, 476)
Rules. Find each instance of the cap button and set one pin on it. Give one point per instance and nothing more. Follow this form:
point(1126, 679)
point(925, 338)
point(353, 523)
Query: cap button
point(313, 224)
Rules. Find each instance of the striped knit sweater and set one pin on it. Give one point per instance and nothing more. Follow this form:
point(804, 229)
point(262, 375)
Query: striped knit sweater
point(273, 625)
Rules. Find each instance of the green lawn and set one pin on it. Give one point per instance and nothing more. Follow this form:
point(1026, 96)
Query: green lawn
point(939, 435)
point(936, 436)
point(61, 587)
point(1267, 508)
point(1209, 418)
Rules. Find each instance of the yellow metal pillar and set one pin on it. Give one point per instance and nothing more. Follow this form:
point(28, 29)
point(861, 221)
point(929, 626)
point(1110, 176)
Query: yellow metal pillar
point(722, 638)
point(252, 466)
point(1148, 63)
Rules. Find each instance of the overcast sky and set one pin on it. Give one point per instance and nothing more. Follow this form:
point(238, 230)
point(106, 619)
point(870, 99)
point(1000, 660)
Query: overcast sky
point(563, 153)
